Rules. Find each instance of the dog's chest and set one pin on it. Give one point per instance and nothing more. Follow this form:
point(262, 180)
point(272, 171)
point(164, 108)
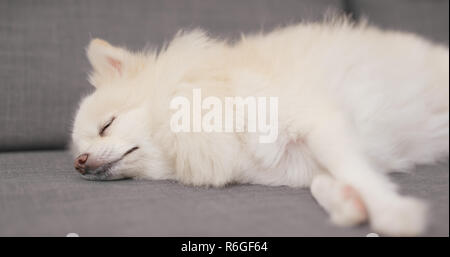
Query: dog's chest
point(283, 162)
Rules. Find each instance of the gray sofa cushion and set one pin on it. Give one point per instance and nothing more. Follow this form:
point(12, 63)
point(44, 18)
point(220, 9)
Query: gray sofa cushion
point(43, 66)
point(41, 195)
point(428, 18)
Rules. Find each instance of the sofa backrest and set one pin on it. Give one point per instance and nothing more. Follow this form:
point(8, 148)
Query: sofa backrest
point(43, 67)
point(428, 18)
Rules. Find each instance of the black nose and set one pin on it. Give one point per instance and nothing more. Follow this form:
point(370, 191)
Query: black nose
point(80, 162)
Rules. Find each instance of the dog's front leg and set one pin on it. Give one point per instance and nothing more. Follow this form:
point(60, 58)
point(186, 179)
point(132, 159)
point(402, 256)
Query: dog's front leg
point(341, 201)
point(333, 145)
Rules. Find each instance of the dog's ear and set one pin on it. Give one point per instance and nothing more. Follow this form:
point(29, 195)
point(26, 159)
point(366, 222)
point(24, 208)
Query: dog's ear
point(108, 61)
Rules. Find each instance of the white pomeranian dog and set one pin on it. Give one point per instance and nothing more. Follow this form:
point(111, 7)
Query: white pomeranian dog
point(353, 103)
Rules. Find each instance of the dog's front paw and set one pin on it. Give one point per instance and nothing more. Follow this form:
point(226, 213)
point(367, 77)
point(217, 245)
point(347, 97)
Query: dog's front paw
point(401, 217)
point(341, 201)
point(350, 210)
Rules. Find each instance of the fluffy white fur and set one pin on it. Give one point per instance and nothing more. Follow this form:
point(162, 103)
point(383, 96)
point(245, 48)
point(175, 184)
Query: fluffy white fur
point(355, 102)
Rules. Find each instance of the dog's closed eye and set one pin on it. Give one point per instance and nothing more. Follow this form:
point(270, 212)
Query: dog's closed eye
point(106, 126)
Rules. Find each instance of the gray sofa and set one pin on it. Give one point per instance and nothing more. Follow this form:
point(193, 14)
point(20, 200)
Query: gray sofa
point(43, 75)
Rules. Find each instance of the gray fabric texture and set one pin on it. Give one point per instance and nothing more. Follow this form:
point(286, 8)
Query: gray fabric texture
point(43, 67)
point(43, 75)
point(41, 195)
point(428, 18)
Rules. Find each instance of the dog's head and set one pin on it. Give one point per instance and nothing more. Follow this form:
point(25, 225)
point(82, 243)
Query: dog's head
point(111, 137)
